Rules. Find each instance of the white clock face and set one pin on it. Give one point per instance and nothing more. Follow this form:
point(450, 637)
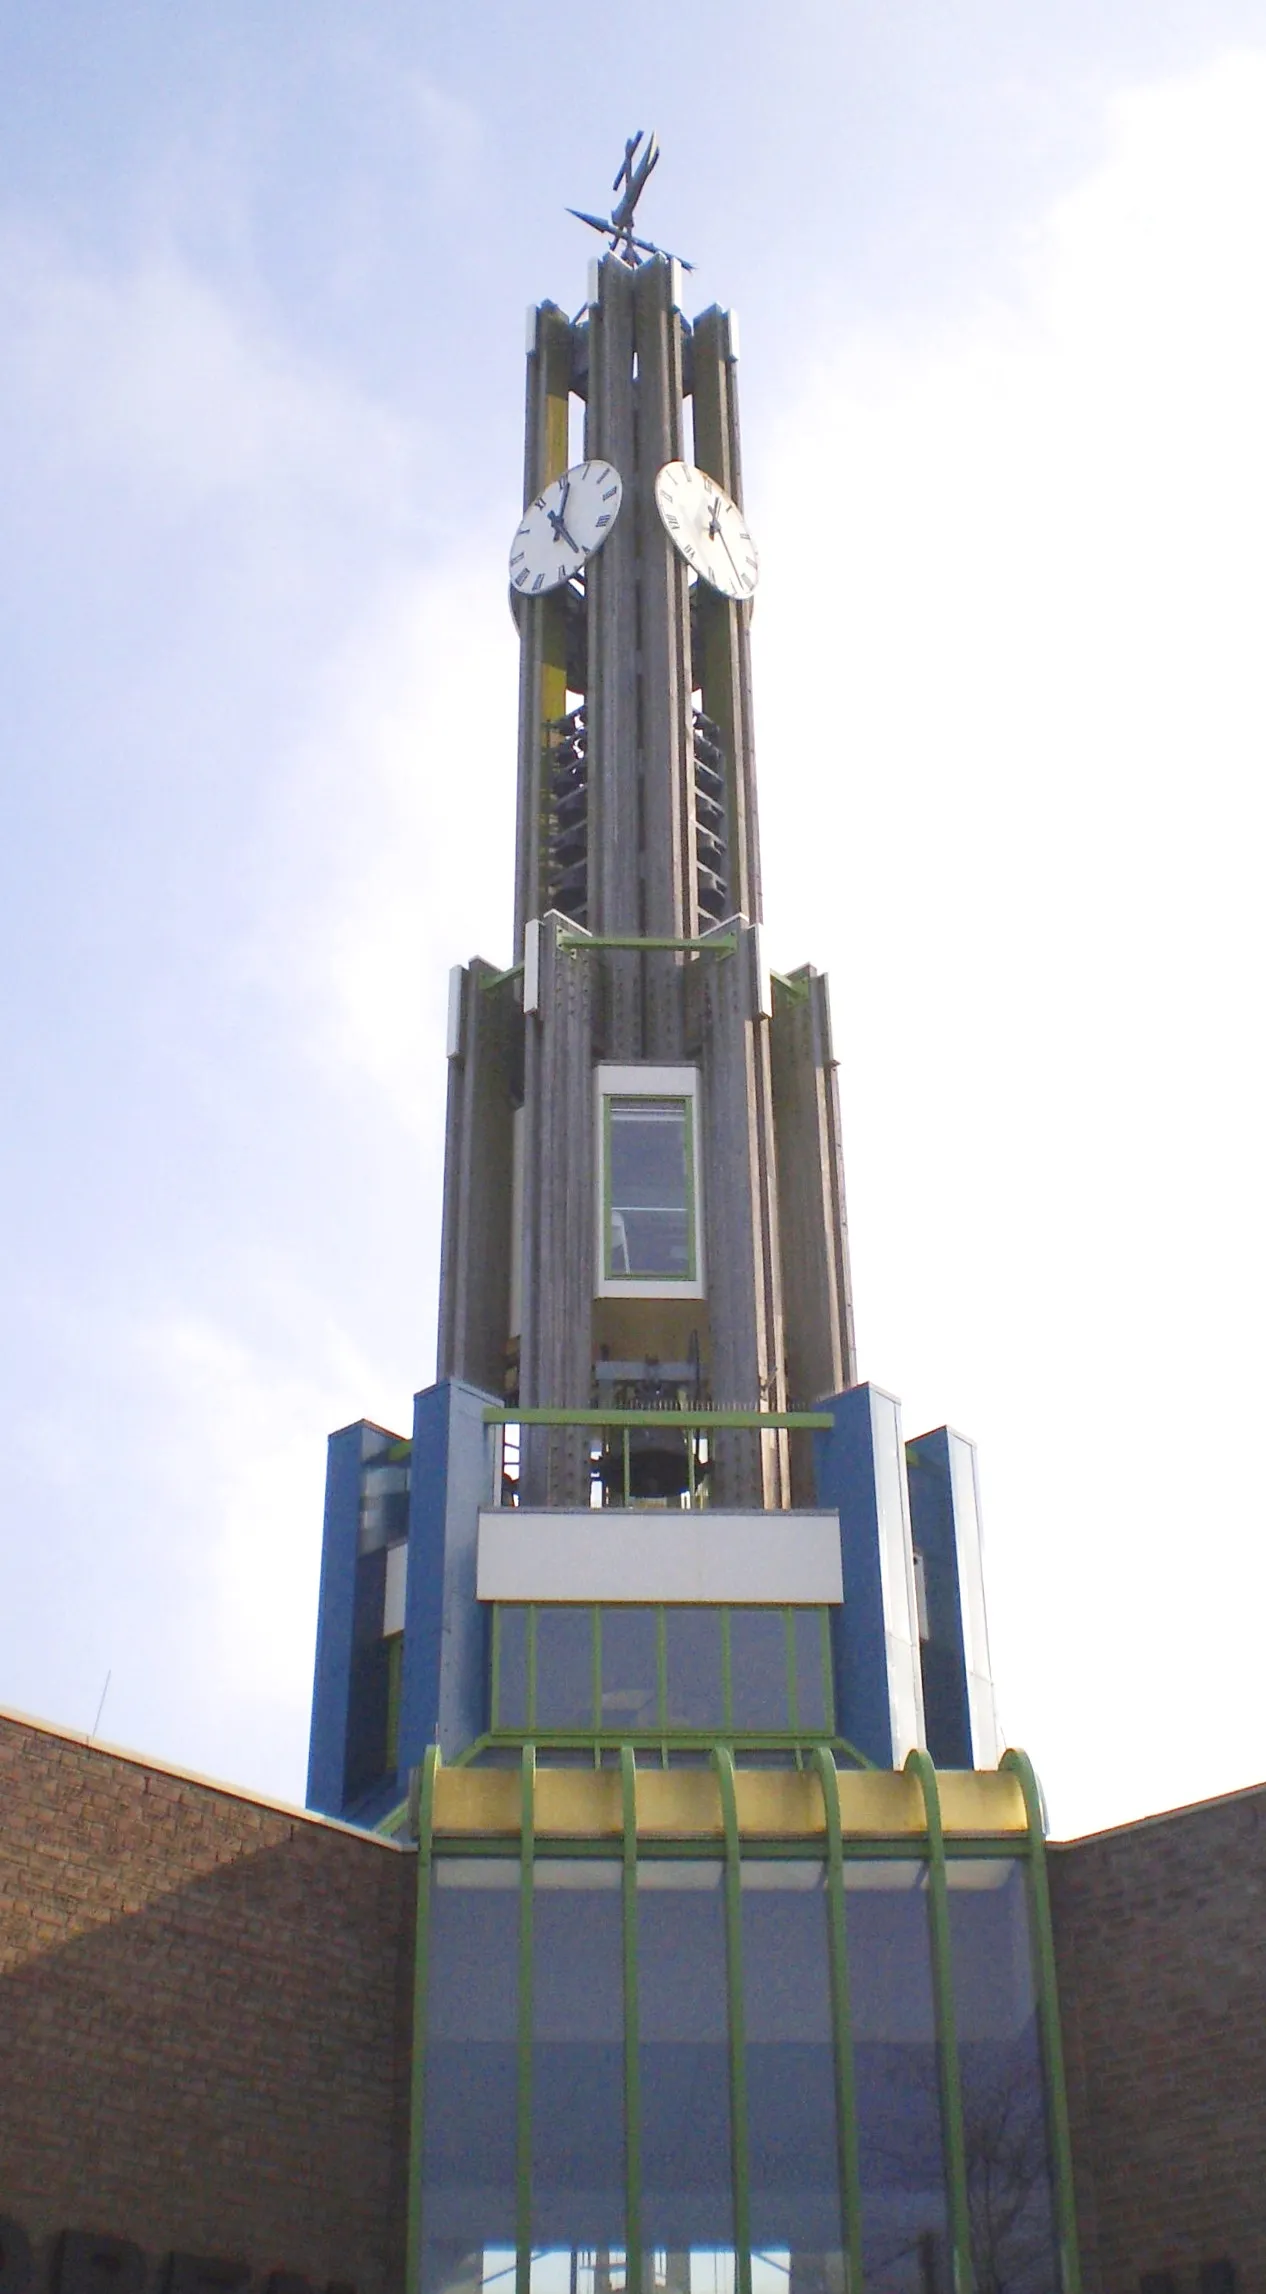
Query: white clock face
point(564, 526)
point(707, 528)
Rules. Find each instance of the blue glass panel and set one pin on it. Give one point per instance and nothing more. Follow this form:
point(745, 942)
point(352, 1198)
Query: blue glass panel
point(468, 2176)
point(686, 2191)
point(630, 1697)
point(564, 1668)
point(904, 2220)
point(758, 1668)
point(577, 2058)
point(1000, 2064)
point(811, 1704)
point(793, 2154)
point(512, 1669)
point(695, 1697)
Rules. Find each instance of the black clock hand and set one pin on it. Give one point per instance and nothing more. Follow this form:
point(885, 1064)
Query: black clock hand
point(558, 517)
point(730, 555)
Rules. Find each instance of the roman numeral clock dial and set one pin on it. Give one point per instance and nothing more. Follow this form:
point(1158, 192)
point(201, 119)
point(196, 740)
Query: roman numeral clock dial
point(707, 528)
point(564, 526)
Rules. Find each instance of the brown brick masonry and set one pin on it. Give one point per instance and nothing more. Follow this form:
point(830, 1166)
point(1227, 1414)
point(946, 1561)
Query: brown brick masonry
point(204, 2032)
point(1160, 1932)
point(204, 2006)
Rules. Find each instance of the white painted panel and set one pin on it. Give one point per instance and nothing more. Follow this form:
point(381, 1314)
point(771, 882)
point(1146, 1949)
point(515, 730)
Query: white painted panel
point(393, 1595)
point(456, 979)
point(532, 964)
point(614, 1555)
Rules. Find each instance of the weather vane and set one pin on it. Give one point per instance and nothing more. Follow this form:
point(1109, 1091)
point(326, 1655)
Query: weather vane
point(630, 183)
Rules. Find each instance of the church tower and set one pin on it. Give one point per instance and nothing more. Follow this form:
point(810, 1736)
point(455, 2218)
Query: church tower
point(647, 1403)
point(654, 1642)
point(644, 1198)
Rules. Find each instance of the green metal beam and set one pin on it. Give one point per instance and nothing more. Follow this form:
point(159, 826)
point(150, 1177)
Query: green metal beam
point(919, 1764)
point(632, 2030)
point(1020, 1766)
point(842, 2025)
point(723, 1762)
point(417, 2063)
point(716, 944)
point(811, 1421)
point(523, 2101)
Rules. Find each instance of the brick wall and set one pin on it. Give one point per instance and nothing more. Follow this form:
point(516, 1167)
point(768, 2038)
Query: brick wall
point(204, 2008)
point(1160, 1933)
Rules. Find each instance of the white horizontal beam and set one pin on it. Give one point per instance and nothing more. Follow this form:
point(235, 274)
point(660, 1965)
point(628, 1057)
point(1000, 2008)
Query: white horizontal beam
point(635, 1556)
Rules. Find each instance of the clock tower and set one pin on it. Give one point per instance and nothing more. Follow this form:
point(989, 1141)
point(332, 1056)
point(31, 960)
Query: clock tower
point(644, 1196)
point(646, 1418)
point(654, 1643)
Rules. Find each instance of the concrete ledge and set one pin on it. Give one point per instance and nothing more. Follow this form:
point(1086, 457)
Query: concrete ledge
point(614, 1555)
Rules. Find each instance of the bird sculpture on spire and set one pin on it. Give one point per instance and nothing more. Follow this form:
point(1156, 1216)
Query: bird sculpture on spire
point(630, 182)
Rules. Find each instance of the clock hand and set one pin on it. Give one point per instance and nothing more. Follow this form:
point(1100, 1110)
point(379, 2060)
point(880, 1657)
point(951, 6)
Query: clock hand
point(730, 555)
point(558, 518)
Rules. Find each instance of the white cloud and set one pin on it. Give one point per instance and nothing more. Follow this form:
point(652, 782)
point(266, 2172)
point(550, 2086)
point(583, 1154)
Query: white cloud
point(1013, 728)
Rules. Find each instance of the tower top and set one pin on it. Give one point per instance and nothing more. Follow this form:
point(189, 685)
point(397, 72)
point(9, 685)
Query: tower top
point(630, 182)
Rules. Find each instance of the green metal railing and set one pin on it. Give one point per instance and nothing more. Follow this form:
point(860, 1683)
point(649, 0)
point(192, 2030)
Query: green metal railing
point(694, 1425)
point(1046, 1985)
point(919, 1763)
point(838, 1851)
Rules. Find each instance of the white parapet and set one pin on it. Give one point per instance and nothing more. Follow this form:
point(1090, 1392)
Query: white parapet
point(617, 1555)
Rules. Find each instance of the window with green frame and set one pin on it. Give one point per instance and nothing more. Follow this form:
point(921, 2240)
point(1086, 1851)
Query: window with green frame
point(624, 1672)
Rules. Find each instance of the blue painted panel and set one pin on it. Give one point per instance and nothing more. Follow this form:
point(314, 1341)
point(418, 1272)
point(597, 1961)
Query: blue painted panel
point(844, 1467)
point(444, 1681)
point(331, 1689)
point(424, 1592)
point(944, 1667)
point(957, 1676)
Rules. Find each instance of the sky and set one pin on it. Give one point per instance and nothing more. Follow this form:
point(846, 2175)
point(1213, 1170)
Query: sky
point(999, 268)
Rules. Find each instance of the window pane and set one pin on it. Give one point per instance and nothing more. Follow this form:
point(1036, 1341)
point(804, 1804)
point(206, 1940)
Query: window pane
point(511, 1669)
point(811, 1707)
point(758, 1668)
point(793, 2146)
point(630, 1697)
point(649, 1189)
point(694, 1668)
point(577, 2059)
point(564, 1668)
point(686, 2194)
point(1000, 2064)
point(472, 2023)
point(904, 2225)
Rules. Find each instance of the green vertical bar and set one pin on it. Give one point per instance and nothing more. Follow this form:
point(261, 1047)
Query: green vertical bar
point(632, 2033)
point(523, 2119)
point(841, 2025)
point(597, 1665)
point(494, 1685)
point(919, 1763)
point(727, 1672)
point(723, 1762)
point(828, 1672)
point(529, 1627)
point(793, 1700)
point(417, 2064)
point(661, 1665)
point(1020, 1766)
point(625, 1442)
